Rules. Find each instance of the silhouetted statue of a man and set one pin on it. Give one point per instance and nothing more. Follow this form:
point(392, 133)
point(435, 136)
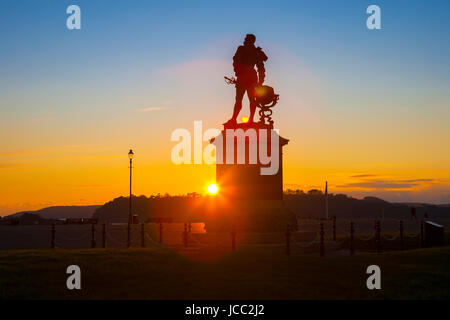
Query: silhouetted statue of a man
point(244, 61)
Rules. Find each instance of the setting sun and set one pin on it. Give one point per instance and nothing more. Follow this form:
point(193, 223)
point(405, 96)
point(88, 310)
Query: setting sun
point(212, 188)
point(244, 119)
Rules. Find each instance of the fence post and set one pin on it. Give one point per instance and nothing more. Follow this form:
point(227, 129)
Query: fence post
point(378, 238)
point(352, 245)
point(52, 242)
point(422, 238)
point(288, 240)
point(375, 222)
point(185, 235)
point(322, 247)
point(129, 235)
point(93, 244)
point(375, 232)
point(189, 227)
point(334, 228)
point(142, 235)
point(160, 232)
point(104, 235)
point(401, 235)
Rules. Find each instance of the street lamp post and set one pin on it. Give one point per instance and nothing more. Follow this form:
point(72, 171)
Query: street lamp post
point(130, 217)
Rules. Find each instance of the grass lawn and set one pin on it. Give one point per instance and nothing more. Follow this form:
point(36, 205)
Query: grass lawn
point(248, 273)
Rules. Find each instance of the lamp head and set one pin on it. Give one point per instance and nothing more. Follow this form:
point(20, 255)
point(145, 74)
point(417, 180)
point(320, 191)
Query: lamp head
point(130, 154)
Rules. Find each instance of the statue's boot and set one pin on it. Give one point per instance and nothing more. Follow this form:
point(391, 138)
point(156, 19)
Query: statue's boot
point(230, 122)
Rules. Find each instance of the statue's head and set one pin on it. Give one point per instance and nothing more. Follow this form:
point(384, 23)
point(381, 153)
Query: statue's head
point(249, 39)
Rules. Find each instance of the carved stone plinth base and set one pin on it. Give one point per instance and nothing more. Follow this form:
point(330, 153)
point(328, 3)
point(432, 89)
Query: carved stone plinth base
point(252, 216)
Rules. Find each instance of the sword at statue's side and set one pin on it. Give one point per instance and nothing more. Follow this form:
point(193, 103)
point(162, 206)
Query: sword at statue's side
point(230, 80)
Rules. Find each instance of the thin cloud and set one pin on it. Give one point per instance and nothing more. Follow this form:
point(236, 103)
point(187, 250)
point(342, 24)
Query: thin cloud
point(152, 109)
point(363, 176)
point(21, 153)
point(378, 184)
point(40, 119)
point(10, 165)
point(385, 184)
point(91, 186)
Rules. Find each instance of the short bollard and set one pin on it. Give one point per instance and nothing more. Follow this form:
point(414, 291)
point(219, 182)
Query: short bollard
point(352, 233)
point(185, 235)
point(422, 238)
point(160, 232)
point(322, 246)
point(93, 242)
point(52, 242)
point(142, 235)
point(401, 235)
point(288, 240)
point(104, 235)
point(378, 230)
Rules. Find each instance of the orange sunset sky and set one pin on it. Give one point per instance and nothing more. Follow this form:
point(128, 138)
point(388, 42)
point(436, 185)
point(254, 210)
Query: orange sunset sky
point(367, 112)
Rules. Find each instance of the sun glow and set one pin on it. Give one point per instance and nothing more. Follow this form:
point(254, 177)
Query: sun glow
point(212, 188)
point(244, 119)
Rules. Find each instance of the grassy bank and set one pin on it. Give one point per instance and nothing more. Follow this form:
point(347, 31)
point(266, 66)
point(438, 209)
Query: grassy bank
point(252, 273)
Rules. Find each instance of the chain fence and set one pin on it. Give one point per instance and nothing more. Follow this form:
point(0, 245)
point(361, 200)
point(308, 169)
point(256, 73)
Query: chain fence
point(325, 235)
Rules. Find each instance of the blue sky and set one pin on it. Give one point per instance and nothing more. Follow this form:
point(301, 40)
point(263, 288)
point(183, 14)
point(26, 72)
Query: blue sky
point(163, 32)
point(343, 87)
point(132, 37)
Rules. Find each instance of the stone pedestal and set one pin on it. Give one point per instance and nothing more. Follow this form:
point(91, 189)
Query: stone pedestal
point(250, 187)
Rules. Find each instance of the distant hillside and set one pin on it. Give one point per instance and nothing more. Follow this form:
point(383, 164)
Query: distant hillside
point(417, 204)
point(176, 208)
point(194, 207)
point(60, 212)
point(312, 204)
